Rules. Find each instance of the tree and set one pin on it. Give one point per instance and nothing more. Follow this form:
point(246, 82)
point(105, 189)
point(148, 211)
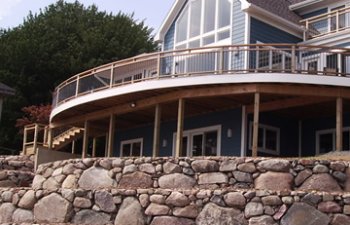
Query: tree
point(60, 41)
point(34, 114)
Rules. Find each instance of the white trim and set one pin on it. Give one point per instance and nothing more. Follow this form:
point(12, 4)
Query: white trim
point(168, 21)
point(203, 80)
point(243, 131)
point(247, 38)
point(263, 149)
point(190, 133)
point(328, 131)
point(131, 141)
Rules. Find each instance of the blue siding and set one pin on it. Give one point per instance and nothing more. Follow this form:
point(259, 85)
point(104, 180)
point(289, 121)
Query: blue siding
point(238, 23)
point(315, 13)
point(227, 119)
point(310, 127)
point(289, 129)
point(238, 34)
point(265, 33)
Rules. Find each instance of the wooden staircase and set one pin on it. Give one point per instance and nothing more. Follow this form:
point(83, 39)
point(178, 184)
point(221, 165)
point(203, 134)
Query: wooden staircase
point(66, 137)
point(37, 135)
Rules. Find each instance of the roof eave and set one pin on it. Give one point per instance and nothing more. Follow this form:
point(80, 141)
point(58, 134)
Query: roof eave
point(303, 4)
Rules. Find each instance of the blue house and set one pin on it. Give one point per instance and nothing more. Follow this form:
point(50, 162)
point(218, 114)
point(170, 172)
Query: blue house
point(233, 77)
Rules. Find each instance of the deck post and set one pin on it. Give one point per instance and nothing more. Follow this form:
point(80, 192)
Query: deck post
point(85, 139)
point(293, 60)
point(106, 144)
point(36, 131)
point(73, 147)
point(111, 135)
point(49, 138)
point(339, 125)
point(111, 81)
point(156, 131)
point(94, 141)
point(179, 132)
point(24, 149)
point(256, 125)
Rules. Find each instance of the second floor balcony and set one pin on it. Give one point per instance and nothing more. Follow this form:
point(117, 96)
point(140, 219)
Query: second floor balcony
point(329, 23)
point(212, 61)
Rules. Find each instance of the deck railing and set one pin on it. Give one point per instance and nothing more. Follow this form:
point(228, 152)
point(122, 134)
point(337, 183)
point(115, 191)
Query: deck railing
point(332, 22)
point(215, 61)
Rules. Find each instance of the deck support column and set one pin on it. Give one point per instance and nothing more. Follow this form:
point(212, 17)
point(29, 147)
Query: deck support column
point(94, 147)
point(256, 125)
point(156, 131)
point(49, 138)
point(339, 125)
point(111, 135)
point(179, 132)
point(106, 144)
point(85, 139)
point(73, 147)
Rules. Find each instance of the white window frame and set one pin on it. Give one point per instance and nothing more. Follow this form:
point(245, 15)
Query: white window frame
point(328, 131)
point(190, 133)
point(263, 149)
point(202, 35)
point(131, 141)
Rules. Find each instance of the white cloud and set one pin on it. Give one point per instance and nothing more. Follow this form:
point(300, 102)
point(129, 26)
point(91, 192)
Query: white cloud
point(7, 6)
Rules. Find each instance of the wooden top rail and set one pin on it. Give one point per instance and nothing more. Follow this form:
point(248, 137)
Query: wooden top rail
point(203, 61)
point(326, 23)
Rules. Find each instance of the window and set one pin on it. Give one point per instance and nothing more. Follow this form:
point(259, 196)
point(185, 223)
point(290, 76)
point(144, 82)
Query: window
point(181, 33)
point(132, 147)
point(268, 139)
point(207, 21)
point(196, 10)
point(224, 12)
point(204, 141)
point(326, 140)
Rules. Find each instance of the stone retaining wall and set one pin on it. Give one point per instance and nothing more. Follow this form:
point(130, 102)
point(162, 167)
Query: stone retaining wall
point(16, 171)
point(162, 206)
point(18, 162)
point(188, 173)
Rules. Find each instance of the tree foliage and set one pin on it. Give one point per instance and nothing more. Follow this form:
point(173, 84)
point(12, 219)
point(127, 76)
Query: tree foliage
point(58, 42)
point(34, 114)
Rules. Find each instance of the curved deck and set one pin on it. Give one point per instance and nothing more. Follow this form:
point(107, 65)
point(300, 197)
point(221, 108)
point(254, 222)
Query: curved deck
point(273, 63)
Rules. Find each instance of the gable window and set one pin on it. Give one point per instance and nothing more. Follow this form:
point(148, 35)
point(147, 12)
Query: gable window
point(132, 147)
point(268, 139)
point(326, 140)
point(203, 22)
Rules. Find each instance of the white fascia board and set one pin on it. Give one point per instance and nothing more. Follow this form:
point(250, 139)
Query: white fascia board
point(275, 20)
point(179, 82)
point(303, 4)
point(175, 9)
point(245, 4)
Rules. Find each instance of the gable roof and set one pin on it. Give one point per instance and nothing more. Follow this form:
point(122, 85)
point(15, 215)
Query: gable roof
point(276, 7)
point(6, 90)
point(279, 7)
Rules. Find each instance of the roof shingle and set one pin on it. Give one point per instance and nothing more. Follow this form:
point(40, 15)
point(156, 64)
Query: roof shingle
point(279, 7)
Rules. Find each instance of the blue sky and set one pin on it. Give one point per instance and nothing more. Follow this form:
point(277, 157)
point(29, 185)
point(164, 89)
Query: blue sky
point(153, 12)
